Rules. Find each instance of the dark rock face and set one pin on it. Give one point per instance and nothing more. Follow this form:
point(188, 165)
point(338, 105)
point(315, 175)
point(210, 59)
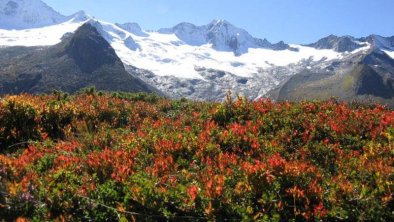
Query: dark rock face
point(89, 50)
point(371, 83)
point(280, 46)
point(264, 43)
point(379, 58)
point(80, 60)
point(233, 44)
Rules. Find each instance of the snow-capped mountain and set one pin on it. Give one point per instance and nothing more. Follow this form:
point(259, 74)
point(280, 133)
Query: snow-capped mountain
point(222, 35)
point(23, 14)
point(199, 62)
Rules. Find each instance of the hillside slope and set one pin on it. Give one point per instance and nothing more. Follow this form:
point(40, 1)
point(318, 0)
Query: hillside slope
point(366, 78)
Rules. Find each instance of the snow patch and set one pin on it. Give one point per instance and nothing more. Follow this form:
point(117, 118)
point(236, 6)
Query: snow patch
point(362, 49)
point(389, 53)
point(46, 36)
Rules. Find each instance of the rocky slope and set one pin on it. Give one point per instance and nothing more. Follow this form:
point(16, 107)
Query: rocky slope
point(365, 77)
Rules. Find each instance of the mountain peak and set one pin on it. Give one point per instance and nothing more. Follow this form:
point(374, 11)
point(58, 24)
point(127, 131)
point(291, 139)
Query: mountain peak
point(24, 14)
point(380, 42)
point(133, 27)
point(226, 37)
point(79, 16)
point(223, 36)
point(185, 25)
point(220, 22)
point(188, 33)
point(84, 46)
point(338, 43)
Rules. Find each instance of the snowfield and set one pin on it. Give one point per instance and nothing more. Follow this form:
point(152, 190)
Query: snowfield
point(389, 53)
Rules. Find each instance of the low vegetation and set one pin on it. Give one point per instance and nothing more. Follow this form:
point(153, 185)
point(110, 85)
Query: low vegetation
point(109, 157)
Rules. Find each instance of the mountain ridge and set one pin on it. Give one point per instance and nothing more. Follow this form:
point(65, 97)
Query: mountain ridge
point(222, 35)
point(40, 9)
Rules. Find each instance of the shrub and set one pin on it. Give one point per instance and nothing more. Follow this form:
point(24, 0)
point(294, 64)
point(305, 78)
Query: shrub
point(100, 156)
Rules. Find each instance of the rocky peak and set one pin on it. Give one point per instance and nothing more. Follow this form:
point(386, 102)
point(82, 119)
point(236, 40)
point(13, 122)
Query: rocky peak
point(226, 37)
point(79, 17)
point(380, 42)
point(133, 28)
point(89, 49)
point(338, 43)
point(222, 35)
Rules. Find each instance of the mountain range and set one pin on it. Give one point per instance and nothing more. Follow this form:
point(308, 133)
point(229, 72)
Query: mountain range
point(42, 50)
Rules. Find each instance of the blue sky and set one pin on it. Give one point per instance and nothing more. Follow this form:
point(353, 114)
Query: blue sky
point(294, 21)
